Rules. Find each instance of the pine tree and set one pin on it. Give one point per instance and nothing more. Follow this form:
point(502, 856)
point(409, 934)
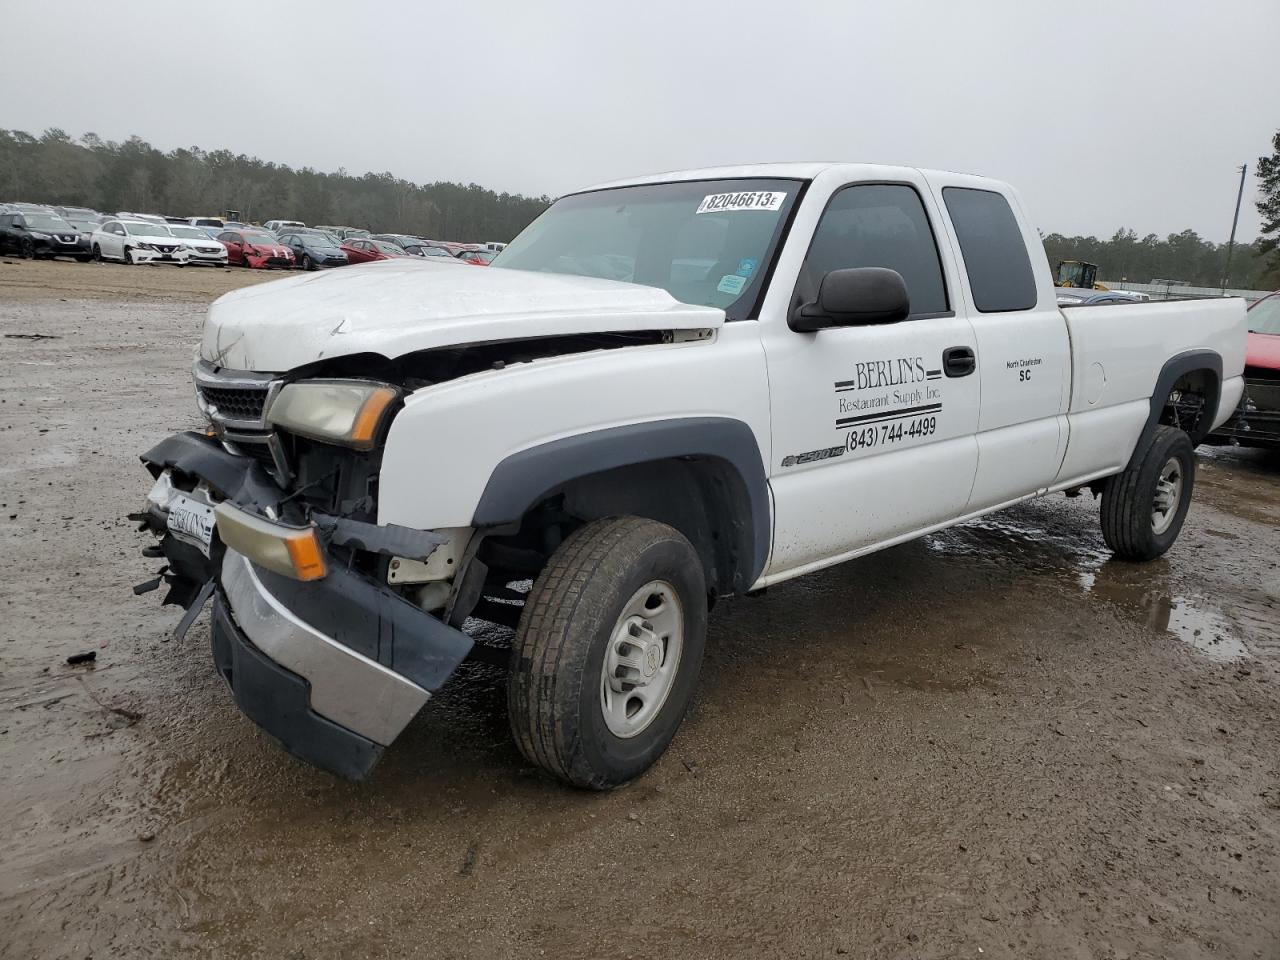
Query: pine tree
point(1269, 199)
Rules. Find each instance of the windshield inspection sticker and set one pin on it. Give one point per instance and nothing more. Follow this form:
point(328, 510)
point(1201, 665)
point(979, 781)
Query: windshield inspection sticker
point(731, 283)
point(746, 267)
point(748, 200)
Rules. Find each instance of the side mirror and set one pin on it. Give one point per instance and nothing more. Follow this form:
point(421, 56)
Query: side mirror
point(854, 297)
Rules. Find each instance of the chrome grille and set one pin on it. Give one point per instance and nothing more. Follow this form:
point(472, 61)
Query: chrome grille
point(234, 402)
point(233, 398)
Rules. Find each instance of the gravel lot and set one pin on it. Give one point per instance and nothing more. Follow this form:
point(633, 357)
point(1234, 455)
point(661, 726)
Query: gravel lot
point(994, 739)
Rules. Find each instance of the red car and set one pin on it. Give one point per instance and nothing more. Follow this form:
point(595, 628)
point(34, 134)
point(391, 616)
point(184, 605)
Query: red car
point(1256, 422)
point(480, 258)
point(359, 250)
point(257, 249)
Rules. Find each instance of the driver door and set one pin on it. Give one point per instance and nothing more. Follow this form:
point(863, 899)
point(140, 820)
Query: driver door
point(873, 425)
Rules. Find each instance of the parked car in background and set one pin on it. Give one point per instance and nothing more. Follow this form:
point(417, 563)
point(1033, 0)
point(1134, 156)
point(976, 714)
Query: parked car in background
point(200, 246)
point(348, 233)
point(148, 217)
point(429, 250)
point(1256, 422)
point(481, 258)
point(1077, 297)
point(32, 235)
point(256, 248)
point(17, 206)
point(315, 232)
point(360, 250)
point(208, 222)
point(137, 241)
point(399, 239)
point(313, 249)
point(79, 213)
point(277, 226)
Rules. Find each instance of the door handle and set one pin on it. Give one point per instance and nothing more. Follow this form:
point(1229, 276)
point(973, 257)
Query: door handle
point(959, 361)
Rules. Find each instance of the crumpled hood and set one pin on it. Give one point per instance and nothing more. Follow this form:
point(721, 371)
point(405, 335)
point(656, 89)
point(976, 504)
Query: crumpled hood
point(399, 306)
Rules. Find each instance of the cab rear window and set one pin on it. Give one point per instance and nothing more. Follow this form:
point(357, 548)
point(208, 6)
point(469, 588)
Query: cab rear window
point(995, 255)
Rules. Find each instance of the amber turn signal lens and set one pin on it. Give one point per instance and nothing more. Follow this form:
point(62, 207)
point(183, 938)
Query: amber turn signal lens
point(365, 429)
point(308, 560)
point(291, 551)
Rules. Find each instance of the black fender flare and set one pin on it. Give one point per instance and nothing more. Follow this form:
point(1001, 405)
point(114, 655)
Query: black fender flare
point(527, 476)
point(1174, 368)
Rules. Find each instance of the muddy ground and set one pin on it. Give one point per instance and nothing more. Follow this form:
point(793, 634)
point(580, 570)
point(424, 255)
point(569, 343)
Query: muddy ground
point(991, 742)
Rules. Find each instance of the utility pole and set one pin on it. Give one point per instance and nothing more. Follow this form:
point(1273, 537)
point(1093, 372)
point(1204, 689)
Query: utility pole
point(1231, 244)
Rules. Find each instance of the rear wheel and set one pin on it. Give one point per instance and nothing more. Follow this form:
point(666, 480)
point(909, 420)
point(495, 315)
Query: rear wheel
point(1143, 508)
point(606, 656)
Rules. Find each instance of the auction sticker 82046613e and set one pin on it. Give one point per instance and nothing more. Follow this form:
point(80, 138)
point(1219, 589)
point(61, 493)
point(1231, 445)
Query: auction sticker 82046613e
point(746, 200)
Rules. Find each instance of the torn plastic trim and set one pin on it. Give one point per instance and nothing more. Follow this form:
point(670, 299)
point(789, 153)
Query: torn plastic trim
point(388, 540)
point(238, 479)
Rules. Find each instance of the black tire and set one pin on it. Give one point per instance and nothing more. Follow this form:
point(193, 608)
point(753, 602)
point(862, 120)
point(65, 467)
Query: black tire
point(83, 258)
point(97, 253)
point(558, 655)
point(27, 249)
point(308, 263)
point(127, 256)
point(1129, 500)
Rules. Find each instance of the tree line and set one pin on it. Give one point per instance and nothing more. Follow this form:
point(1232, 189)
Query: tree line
point(56, 168)
point(89, 171)
point(1184, 256)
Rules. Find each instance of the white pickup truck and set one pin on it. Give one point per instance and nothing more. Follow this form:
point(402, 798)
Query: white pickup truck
point(664, 392)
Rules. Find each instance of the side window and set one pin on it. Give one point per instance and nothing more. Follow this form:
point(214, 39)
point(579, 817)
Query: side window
point(5, 221)
point(995, 255)
point(878, 225)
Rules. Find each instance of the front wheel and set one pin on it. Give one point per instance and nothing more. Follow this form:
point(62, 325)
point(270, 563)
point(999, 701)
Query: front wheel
point(27, 249)
point(97, 253)
point(128, 256)
point(607, 652)
point(1144, 507)
point(307, 262)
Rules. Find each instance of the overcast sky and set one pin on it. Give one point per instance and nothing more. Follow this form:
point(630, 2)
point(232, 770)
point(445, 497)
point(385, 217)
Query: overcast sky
point(1123, 113)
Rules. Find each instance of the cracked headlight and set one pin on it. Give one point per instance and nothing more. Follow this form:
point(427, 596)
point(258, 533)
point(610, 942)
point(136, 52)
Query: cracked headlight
point(347, 412)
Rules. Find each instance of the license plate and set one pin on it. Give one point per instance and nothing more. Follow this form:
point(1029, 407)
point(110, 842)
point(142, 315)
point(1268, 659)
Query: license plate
point(191, 521)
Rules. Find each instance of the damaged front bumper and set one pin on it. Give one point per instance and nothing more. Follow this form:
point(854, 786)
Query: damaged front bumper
point(334, 668)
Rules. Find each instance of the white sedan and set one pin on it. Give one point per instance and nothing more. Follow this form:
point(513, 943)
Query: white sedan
point(201, 248)
point(137, 241)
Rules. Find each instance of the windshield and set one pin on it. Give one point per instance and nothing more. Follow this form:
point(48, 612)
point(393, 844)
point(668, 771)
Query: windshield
point(191, 233)
point(388, 248)
point(318, 237)
point(1265, 316)
point(261, 238)
point(147, 230)
point(706, 242)
point(36, 221)
point(209, 223)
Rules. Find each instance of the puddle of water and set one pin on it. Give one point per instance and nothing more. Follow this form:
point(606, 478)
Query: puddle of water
point(1206, 630)
point(1188, 619)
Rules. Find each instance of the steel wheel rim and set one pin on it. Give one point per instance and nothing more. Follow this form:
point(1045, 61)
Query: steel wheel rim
point(642, 659)
point(1168, 495)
